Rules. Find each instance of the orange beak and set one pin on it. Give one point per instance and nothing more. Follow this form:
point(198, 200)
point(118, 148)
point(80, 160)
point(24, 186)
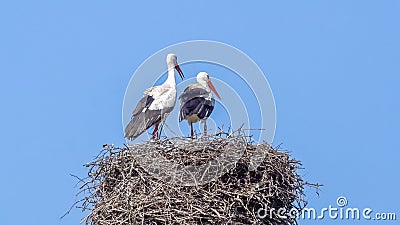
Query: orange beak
point(210, 84)
point(179, 71)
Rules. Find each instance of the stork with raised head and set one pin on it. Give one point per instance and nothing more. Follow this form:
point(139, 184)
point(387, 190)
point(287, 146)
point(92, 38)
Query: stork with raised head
point(156, 104)
point(197, 102)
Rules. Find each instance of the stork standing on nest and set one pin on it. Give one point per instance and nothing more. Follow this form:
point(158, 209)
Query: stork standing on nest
point(197, 102)
point(156, 104)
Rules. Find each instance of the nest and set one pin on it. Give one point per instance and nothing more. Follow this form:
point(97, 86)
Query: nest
point(210, 180)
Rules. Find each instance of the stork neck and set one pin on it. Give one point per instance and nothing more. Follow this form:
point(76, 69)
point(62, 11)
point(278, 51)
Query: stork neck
point(171, 77)
point(204, 85)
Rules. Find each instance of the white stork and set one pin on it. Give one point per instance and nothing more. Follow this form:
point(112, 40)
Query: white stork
point(156, 104)
point(197, 102)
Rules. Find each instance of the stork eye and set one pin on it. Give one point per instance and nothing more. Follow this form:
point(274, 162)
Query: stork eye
point(208, 77)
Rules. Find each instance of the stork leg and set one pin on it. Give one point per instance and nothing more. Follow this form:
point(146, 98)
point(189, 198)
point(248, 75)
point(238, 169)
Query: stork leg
point(205, 128)
point(162, 123)
point(191, 130)
point(161, 128)
point(154, 134)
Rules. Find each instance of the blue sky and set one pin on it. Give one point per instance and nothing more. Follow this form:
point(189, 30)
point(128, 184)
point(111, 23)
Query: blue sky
point(333, 67)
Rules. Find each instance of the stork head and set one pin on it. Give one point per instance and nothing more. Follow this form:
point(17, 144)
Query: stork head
point(204, 79)
point(172, 62)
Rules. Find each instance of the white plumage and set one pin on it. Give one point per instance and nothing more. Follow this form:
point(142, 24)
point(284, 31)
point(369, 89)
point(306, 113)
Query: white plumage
point(156, 104)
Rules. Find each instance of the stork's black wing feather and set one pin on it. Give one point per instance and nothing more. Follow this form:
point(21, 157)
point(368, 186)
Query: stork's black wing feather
point(145, 102)
point(189, 94)
point(142, 118)
point(199, 106)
